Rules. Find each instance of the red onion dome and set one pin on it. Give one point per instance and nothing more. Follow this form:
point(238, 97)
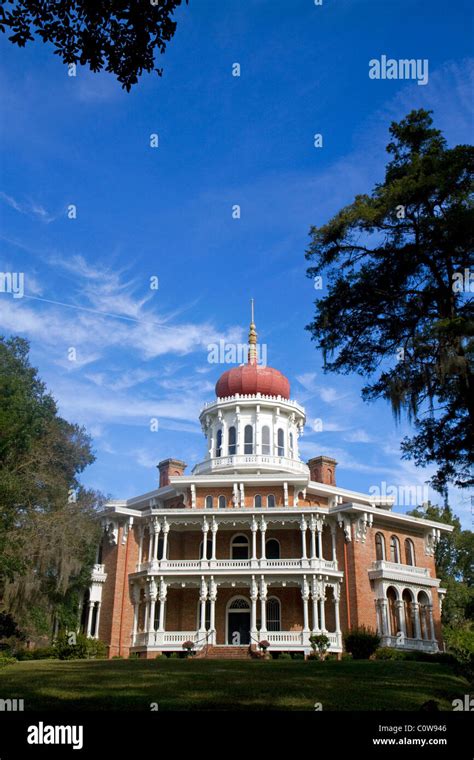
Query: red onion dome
point(250, 379)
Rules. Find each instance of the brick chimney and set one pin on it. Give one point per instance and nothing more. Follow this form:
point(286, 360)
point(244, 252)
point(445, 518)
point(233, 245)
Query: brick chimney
point(323, 470)
point(168, 468)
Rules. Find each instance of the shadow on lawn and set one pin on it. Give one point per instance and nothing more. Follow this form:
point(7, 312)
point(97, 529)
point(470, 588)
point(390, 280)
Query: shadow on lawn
point(213, 685)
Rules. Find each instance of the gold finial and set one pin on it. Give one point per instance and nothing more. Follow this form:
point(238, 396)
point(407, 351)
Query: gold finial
point(252, 338)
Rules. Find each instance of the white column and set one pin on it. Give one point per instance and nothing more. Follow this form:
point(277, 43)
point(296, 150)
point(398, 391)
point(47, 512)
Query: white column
point(205, 531)
point(312, 527)
point(305, 597)
point(384, 614)
point(430, 615)
point(151, 537)
point(140, 546)
point(152, 593)
point(89, 618)
point(166, 529)
point(263, 607)
point(162, 597)
point(303, 527)
point(337, 597)
point(203, 599)
point(135, 621)
point(254, 528)
point(212, 616)
point(320, 538)
point(400, 607)
point(214, 529)
point(323, 611)
point(253, 613)
point(156, 536)
point(333, 543)
point(315, 601)
point(263, 530)
point(97, 621)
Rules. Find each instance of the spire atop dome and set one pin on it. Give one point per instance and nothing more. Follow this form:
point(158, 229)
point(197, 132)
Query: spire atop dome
point(252, 357)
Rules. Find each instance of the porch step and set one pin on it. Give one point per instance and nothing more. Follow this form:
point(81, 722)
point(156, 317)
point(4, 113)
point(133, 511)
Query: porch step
point(224, 653)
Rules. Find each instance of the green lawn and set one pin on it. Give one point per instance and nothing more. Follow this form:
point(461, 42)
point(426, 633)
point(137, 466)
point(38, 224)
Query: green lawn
point(235, 685)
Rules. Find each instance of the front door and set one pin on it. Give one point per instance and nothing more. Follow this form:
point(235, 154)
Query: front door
point(238, 630)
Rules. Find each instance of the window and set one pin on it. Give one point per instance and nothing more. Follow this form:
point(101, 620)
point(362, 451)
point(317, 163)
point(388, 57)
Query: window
point(409, 552)
point(208, 549)
point(219, 443)
point(394, 549)
point(232, 439)
point(379, 546)
point(240, 547)
point(222, 502)
point(273, 614)
point(248, 439)
point(291, 444)
point(272, 549)
point(209, 502)
point(266, 440)
point(270, 500)
point(281, 443)
point(257, 502)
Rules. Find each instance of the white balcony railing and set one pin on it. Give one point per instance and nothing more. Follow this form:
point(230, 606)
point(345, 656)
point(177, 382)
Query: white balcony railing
point(252, 461)
point(173, 640)
point(398, 567)
point(235, 565)
point(423, 645)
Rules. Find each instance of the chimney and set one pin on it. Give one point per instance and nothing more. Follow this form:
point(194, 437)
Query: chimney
point(323, 470)
point(168, 468)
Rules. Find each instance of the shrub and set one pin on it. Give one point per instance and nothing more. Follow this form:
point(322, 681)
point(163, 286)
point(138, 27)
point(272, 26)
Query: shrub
point(285, 656)
point(40, 653)
point(319, 644)
point(361, 642)
point(70, 646)
point(174, 656)
point(117, 657)
point(389, 653)
point(6, 660)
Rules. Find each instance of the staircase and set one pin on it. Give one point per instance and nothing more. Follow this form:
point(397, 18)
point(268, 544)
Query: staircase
point(215, 652)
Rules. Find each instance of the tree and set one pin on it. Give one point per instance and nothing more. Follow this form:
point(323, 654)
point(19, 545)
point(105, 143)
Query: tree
point(48, 521)
point(120, 35)
point(453, 558)
point(398, 308)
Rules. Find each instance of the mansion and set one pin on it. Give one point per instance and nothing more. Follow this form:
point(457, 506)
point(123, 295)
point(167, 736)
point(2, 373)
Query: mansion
point(255, 544)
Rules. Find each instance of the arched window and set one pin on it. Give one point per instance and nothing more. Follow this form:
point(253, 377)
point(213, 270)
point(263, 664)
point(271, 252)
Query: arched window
point(270, 500)
point(273, 614)
point(394, 549)
point(219, 443)
point(257, 502)
point(266, 440)
point(291, 444)
point(208, 554)
point(281, 443)
point(232, 439)
point(272, 549)
point(248, 439)
point(222, 502)
point(408, 609)
point(209, 502)
point(379, 546)
point(240, 547)
point(409, 552)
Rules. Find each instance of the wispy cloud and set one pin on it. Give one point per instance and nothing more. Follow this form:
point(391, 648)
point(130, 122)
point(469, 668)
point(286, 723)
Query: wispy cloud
point(32, 209)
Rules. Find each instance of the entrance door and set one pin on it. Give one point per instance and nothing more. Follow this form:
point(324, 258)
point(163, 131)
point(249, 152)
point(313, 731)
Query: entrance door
point(238, 628)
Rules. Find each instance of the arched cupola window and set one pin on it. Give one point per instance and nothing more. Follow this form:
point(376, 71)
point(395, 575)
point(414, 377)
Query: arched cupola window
point(248, 439)
point(219, 443)
point(232, 441)
point(266, 440)
point(281, 443)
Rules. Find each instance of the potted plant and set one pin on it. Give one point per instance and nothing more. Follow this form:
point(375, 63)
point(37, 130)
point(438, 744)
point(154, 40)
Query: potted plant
point(188, 647)
point(264, 645)
point(319, 644)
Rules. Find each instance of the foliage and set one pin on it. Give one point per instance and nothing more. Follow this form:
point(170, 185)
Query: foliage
point(264, 645)
point(71, 646)
point(48, 526)
point(394, 310)
point(6, 660)
point(361, 642)
point(319, 642)
point(120, 36)
point(453, 558)
point(389, 653)
point(284, 656)
point(38, 653)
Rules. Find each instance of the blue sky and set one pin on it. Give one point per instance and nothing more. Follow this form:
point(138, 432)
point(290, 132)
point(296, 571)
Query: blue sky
point(167, 212)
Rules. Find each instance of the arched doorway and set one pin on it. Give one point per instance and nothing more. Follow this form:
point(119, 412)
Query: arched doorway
point(238, 622)
point(408, 609)
point(392, 611)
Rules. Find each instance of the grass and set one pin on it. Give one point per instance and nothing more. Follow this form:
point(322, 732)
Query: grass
point(220, 685)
